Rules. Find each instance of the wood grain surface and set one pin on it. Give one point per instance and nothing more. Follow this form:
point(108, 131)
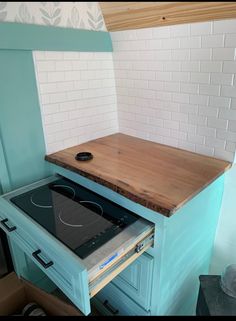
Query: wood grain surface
point(157, 176)
point(135, 15)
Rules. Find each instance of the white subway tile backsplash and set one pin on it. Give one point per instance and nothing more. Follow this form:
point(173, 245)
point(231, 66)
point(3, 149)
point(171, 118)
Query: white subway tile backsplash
point(77, 95)
point(221, 79)
point(229, 66)
point(230, 40)
point(200, 78)
point(212, 90)
point(232, 125)
point(180, 54)
point(175, 85)
point(221, 102)
point(208, 111)
point(216, 123)
point(179, 30)
point(202, 149)
point(200, 54)
point(206, 131)
point(180, 76)
point(189, 88)
point(211, 66)
point(196, 139)
point(213, 41)
point(215, 142)
point(228, 91)
point(180, 98)
point(227, 114)
point(222, 154)
point(202, 28)
point(190, 42)
point(190, 66)
point(161, 33)
point(224, 26)
point(223, 54)
point(189, 109)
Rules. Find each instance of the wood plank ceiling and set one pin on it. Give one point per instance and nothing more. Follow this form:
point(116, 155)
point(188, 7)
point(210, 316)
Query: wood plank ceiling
point(135, 15)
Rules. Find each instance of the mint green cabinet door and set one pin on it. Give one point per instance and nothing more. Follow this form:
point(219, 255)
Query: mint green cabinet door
point(67, 270)
point(136, 280)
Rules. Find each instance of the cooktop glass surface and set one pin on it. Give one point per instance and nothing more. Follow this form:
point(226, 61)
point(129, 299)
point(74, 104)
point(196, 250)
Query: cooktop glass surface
point(80, 218)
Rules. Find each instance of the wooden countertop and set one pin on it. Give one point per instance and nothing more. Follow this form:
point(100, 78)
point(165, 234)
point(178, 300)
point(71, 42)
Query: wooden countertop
point(157, 176)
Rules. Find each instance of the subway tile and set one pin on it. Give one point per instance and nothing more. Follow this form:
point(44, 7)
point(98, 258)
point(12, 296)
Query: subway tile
point(213, 41)
point(180, 76)
point(195, 139)
point(232, 125)
point(215, 142)
point(216, 123)
point(229, 66)
point(223, 54)
point(211, 90)
point(221, 102)
point(181, 98)
point(228, 91)
point(189, 88)
point(206, 131)
point(182, 30)
point(190, 66)
point(200, 54)
point(200, 28)
point(198, 99)
point(202, 149)
point(224, 26)
point(208, 111)
point(211, 66)
point(230, 40)
point(186, 127)
point(190, 42)
point(170, 43)
point(225, 155)
point(161, 32)
point(188, 108)
point(186, 145)
point(199, 77)
point(180, 54)
point(221, 79)
point(170, 141)
point(227, 114)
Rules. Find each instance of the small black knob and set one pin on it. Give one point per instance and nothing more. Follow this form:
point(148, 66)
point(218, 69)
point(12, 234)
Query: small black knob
point(84, 156)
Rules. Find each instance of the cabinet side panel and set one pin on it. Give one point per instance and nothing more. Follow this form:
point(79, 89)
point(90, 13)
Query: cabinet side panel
point(187, 250)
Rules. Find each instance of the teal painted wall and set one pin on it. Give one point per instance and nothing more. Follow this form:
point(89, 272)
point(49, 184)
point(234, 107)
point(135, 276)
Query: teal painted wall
point(225, 242)
point(34, 37)
point(23, 146)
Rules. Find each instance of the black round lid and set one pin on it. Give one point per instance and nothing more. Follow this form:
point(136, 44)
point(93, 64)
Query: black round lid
point(84, 156)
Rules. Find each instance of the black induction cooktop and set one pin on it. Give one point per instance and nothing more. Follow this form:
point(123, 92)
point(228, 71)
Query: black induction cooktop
point(78, 217)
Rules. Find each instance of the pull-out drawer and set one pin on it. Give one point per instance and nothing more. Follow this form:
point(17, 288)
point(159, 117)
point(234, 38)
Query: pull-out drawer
point(136, 280)
point(112, 301)
point(79, 279)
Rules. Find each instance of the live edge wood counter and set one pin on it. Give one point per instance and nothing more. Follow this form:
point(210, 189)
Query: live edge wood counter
point(156, 176)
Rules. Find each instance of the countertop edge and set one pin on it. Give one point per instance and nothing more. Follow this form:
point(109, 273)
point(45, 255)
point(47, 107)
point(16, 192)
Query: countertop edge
point(150, 205)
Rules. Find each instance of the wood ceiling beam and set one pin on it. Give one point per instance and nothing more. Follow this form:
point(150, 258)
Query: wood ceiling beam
point(136, 15)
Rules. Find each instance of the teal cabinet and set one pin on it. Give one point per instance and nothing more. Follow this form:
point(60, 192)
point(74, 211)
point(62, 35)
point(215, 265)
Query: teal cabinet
point(28, 239)
point(182, 251)
point(31, 245)
point(136, 280)
point(130, 292)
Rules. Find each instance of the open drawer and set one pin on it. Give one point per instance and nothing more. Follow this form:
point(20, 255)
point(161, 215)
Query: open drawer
point(80, 279)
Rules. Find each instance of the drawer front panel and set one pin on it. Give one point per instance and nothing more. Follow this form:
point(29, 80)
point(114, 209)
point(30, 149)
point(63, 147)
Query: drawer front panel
point(136, 280)
point(112, 301)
